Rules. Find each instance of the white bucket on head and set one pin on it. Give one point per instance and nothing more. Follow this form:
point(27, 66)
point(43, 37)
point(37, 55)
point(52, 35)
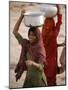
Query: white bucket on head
point(48, 10)
point(33, 18)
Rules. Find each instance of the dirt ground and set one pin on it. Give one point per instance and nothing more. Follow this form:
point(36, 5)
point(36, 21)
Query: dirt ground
point(15, 48)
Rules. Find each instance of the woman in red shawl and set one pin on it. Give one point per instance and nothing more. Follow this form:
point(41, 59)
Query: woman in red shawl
point(32, 56)
point(49, 33)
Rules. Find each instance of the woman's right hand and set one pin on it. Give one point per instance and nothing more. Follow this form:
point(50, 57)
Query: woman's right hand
point(22, 12)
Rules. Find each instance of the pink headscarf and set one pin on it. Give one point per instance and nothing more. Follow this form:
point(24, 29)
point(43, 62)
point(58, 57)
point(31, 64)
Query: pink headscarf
point(36, 51)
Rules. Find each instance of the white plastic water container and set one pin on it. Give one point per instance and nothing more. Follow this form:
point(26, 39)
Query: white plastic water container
point(48, 10)
point(32, 18)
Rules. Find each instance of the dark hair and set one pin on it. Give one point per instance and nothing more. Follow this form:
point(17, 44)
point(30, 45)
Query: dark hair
point(32, 29)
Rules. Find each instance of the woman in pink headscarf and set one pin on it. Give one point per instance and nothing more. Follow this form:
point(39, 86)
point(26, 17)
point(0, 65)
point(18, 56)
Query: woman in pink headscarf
point(32, 56)
point(49, 33)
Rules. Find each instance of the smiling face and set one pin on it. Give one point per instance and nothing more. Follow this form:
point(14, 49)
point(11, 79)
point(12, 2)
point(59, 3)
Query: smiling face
point(32, 37)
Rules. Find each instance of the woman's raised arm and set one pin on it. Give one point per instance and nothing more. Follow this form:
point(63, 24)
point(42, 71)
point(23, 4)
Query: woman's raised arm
point(59, 20)
point(16, 27)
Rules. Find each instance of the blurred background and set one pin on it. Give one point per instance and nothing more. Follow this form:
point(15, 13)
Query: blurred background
point(15, 49)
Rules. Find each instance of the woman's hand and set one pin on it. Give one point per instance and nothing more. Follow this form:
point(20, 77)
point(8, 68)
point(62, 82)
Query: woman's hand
point(18, 75)
point(58, 9)
point(16, 27)
point(22, 12)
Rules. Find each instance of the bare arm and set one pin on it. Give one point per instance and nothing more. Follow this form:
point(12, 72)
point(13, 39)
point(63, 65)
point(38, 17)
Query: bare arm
point(16, 27)
point(59, 20)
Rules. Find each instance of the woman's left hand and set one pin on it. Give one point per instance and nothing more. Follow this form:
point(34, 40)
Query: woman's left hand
point(58, 9)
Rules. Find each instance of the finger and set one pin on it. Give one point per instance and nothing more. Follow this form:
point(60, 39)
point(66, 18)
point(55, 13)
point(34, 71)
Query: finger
point(17, 77)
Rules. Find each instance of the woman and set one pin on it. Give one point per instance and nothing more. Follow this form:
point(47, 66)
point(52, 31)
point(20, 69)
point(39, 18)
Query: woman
point(49, 33)
point(32, 56)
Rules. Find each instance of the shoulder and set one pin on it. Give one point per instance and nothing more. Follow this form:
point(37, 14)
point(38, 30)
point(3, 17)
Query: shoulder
point(25, 42)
